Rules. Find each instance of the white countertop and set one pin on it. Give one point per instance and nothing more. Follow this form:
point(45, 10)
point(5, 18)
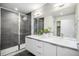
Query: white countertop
point(65, 41)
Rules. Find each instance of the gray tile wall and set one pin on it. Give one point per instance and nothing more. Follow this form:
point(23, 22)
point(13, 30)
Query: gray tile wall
point(9, 29)
point(25, 28)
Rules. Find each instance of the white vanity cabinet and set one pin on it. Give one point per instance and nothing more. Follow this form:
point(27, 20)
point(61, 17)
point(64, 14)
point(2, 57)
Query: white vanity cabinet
point(42, 48)
point(49, 49)
point(29, 44)
point(34, 46)
point(62, 51)
point(38, 47)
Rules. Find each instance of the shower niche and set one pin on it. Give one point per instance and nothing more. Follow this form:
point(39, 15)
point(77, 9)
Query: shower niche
point(58, 28)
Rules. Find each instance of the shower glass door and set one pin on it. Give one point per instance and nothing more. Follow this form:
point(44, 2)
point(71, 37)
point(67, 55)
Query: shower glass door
point(9, 31)
point(14, 28)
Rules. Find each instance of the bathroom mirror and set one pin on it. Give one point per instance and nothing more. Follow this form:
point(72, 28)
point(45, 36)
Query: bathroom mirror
point(62, 20)
point(65, 25)
point(65, 22)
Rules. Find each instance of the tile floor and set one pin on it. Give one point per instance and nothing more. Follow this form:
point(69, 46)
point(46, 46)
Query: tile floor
point(24, 53)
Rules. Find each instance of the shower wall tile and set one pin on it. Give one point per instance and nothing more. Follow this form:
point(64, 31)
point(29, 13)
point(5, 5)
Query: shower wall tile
point(25, 28)
point(9, 27)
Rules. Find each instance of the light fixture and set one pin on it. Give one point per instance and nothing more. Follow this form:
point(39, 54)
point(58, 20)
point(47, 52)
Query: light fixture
point(59, 5)
point(37, 13)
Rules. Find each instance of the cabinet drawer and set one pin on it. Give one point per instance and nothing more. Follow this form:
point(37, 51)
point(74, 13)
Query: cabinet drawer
point(34, 46)
point(38, 47)
point(49, 49)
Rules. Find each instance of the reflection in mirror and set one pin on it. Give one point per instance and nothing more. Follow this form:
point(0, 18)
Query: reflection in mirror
point(58, 28)
point(38, 25)
point(63, 21)
point(65, 25)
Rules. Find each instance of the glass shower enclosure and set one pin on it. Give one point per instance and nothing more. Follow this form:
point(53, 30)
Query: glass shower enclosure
point(13, 30)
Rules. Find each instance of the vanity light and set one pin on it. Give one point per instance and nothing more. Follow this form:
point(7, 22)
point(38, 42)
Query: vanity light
point(37, 13)
point(59, 5)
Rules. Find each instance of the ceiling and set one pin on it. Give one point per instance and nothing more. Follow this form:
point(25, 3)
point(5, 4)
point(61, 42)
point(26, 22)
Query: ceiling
point(22, 7)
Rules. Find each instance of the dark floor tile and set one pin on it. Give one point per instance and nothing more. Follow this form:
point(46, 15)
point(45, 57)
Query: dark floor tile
point(24, 53)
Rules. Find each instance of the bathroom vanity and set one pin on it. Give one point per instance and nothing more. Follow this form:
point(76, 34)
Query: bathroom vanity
point(41, 45)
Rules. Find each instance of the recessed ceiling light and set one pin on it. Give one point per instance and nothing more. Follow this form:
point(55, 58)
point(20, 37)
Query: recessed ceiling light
point(16, 9)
